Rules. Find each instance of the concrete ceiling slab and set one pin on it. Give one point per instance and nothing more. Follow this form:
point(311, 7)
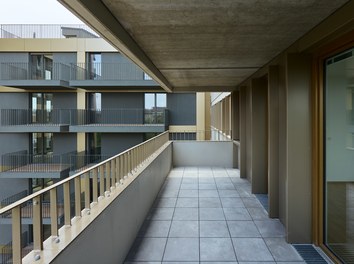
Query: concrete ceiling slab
point(194, 43)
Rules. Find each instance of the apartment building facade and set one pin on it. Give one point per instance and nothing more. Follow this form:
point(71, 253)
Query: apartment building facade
point(68, 100)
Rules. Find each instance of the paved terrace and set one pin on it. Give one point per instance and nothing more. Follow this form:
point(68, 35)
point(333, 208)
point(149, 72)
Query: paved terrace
point(210, 215)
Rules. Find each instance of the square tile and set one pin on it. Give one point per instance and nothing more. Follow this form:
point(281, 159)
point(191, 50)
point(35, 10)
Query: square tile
point(270, 228)
point(281, 250)
point(187, 202)
point(207, 186)
point(214, 229)
point(184, 229)
point(244, 193)
point(165, 202)
point(243, 229)
point(225, 186)
point(207, 180)
point(231, 202)
point(154, 228)
point(147, 249)
point(187, 180)
point(209, 193)
point(251, 202)
point(186, 214)
point(182, 249)
point(251, 249)
point(161, 214)
point(168, 193)
point(216, 249)
point(209, 203)
point(211, 214)
point(239, 213)
point(189, 186)
point(228, 193)
point(188, 193)
point(258, 213)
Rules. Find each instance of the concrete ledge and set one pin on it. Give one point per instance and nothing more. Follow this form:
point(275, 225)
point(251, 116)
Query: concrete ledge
point(203, 153)
point(109, 236)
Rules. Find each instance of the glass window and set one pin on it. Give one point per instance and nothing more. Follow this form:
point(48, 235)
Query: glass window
point(149, 100)
point(161, 100)
point(339, 155)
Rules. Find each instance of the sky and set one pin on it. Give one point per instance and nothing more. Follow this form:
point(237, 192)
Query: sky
point(35, 12)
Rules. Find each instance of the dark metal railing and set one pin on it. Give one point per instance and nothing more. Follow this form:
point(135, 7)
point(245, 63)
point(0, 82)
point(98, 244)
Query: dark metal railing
point(82, 160)
point(21, 161)
point(108, 71)
point(134, 116)
point(28, 71)
point(46, 31)
point(13, 198)
point(6, 250)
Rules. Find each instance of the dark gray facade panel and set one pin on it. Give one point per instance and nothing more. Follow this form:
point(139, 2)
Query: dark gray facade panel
point(65, 58)
point(131, 105)
point(112, 144)
point(64, 143)
point(64, 100)
point(181, 108)
point(13, 142)
point(14, 101)
point(116, 67)
point(14, 57)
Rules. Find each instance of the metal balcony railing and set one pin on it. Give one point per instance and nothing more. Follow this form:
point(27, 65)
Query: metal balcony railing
point(134, 116)
point(212, 135)
point(46, 31)
point(82, 160)
point(6, 250)
point(21, 161)
point(88, 185)
point(28, 71)
point(108, 71)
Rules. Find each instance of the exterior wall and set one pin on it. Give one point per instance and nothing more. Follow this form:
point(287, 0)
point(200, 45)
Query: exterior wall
point(13, 142)
point(14, 100)
point(65, 57)
point(64, 143)
point(182, 108)
point(64, 100)
point(112, 144)
point(14, 57)
point(122, 100)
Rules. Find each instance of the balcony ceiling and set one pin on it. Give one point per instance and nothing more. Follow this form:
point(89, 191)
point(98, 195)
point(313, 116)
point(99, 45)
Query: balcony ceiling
point(200, 45)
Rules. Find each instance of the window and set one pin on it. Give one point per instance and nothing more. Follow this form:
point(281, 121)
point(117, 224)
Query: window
point(155, 104)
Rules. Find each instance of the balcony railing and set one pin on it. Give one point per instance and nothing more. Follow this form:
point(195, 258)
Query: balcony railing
point(15, 117)
point(28, 71)
point(46, 31)
point(82, 160)
point(21, 161)
point(104, 176)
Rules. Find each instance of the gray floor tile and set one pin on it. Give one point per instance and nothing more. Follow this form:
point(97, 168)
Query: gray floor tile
point(231, 202)
point(168, 193)
point(251, 249)
point(188, 193)
point(184, 229)
point(251, 202)
point(270, 228)
point(258, 262)
point(165, 202)
point(207, 186)
point(243, 229)
point(187, 202)
point(209, 193)
point(189, 186)
point(209, 203)
point(186, 214)
point(281, 250)
point(207, 180)
point(180, 262)
point(141, 262)
point(187, 180)
point(155, 229)
point(225, 186)
point(216, 249)
point(182, 249)
point(239, 213)
point(147, 249)
point(258, 213)
point(211, 214)
point(244, 193)
point(214, 229)
point(228, 193)
point(218, 262)
point(161, 214)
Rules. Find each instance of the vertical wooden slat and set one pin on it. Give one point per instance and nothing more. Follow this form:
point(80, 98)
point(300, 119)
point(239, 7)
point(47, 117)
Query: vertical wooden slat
point(16, 235)
point(53, 212)
point(77, 196)
point(113, 171)
point(94, 185)
point(108, 177)
point(87, 190)
point(102, 180)
point(37, 223)
point(117, 164)
point(67, 216)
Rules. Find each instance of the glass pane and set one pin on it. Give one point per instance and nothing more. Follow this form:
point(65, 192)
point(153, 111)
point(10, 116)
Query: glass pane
point(339, 156)
point(149, 101)
point(161, 100)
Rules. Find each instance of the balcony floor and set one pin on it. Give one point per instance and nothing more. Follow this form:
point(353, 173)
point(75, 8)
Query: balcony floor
point(209, 215)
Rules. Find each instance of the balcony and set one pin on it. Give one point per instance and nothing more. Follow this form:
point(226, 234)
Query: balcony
point(102, 75)
point(84, 120)
point(204, 212)
point(25, 75)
